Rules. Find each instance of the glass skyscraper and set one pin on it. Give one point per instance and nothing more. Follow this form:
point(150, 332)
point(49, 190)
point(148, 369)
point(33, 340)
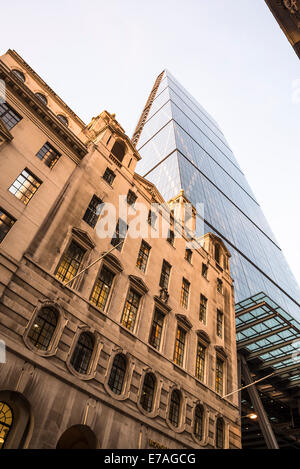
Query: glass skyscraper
point(182, 147)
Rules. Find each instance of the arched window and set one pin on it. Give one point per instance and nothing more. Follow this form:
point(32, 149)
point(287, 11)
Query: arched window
point(83, 352)
point(63, 119)
point(174, 411)
point(42, 98)
point(117, 374)
point(20, 75)
point(220, 433)
point(118, 150)
point(77, 437)
point(198, 422)
point(6, 421)
point(43, 327)
point(148, 392)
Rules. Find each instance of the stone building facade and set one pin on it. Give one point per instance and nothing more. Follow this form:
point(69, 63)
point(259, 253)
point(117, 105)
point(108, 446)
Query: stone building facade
point(138, 350)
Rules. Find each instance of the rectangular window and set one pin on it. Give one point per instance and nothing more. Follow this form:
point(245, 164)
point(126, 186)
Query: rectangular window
point(203, 308)
point(219, 285)
point(130, 310)
point(185, 289)
point(9, 116)
point(171, 237)
point(120, 234)
point(70, 263)
point(188, 255)
point(165, 275)
point(219, 323)
point(200, 361)
point(6, 222)
point(156, 329)
point(102, 288)
point(48, 155)
point(179, 346)
point(143, 256)
point(219, 376)
point(109, 176)
point(152, 217)
point(25, 186)
point(204, 270)
point(93, 211)
point(131, 197)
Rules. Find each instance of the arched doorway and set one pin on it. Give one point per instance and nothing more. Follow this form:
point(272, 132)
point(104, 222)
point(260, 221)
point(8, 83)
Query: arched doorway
point(77, 437)
point(15, 420)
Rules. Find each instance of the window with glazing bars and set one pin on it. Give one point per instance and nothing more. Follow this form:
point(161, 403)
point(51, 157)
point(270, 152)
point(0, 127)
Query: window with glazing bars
point(156, 329)
point(200, 361)
point(102, 288)
point(143, 256)
point(43, 327)
point(203, 308)
point(9, 116)
point(70, 262)
point(109, 176)
point(25, 186)
point(185, 289)
point(204, 270)
point(48, 155)
point(174, 411)
point(188, 255)
point(198, 423)
point(83, 352)
point(131, 197)
point(179, 346)
point(219, 375)
point(130, 309)
point(220, 433)
point(219, 285)
point(6, 222)
point(117, 374)
point(6, 422)
point(165, 275)
point(148, 392)
point(93, 211)
point(219, 323)
point(119, 235)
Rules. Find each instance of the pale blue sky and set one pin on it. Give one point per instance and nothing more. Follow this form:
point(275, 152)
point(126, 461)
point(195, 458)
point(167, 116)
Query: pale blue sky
point(230, 54)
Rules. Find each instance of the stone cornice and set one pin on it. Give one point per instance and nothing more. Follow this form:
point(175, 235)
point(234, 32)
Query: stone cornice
point(28, 98)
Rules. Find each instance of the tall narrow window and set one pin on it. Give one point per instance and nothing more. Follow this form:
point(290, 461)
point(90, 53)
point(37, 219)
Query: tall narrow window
point(204, 270)
point(117, 374)
point(131, 309)
point(6, 222)
point(179, 346)
point(6, 422)
point(143, 256)
point(219, 323)
point(219, 285)
point(156, 329)
point(148, 392)
point(203, 309)
point(9, 116)
point(217, 253)
point(185, 289)
point(131, 197)
point(83, 352)
point(198, 422)
point(48, 155)
point(220, 433)
point(109, 176)
point(171, 237)
point(174, 412)
point(43, 327)
point(152, 217)
point(200, 362)
point(102, 288)
point(165, 275)
point(219, 375)
point(119, 235)
point(70, 263)
point(188, 255)
point(93, 211)
point(25, 186)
